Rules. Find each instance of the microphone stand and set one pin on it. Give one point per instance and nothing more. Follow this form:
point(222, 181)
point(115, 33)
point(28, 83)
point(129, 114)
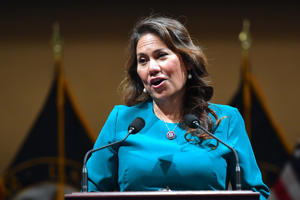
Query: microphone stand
point(136, 125)
point(237, 165)
point(84, 176)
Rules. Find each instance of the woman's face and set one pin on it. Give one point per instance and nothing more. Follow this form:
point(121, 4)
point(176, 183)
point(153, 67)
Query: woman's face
point(160, 69)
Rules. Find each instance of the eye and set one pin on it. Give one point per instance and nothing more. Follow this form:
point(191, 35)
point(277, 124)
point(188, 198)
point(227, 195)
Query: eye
point(142, 60)
point(161, 54)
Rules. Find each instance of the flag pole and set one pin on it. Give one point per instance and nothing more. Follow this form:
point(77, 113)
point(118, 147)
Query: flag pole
point(57, 49)
point(249, 83)
point(245, 39)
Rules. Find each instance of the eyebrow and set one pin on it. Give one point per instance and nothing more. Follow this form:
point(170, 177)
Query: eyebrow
point(155, 51)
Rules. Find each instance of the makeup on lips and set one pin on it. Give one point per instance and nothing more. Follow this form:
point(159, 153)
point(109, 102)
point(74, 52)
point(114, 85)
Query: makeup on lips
point(157, 82)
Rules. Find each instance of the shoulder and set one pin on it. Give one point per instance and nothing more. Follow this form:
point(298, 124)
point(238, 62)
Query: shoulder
point(136, 108)
point(139, 106)
point(141, 109)
point(224, 110)
point(231, 122)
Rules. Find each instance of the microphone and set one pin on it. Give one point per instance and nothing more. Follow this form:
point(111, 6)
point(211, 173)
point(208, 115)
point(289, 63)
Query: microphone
point(135, 126)
point(193, 122)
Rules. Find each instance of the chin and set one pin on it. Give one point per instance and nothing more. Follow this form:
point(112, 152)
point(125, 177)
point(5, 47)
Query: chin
point(160, 97)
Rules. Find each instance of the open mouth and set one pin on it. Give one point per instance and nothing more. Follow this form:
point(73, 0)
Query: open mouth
point(157, 81)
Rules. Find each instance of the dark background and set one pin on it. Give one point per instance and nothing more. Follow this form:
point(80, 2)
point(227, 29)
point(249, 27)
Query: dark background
point(95, 36)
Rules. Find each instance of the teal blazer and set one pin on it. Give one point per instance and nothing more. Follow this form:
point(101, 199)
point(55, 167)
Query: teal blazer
point(149, 161)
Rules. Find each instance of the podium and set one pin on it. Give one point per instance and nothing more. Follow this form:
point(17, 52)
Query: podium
point(165, 195)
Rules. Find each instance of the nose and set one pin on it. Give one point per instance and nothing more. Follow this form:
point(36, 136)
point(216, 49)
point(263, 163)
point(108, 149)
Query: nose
point(154, 67)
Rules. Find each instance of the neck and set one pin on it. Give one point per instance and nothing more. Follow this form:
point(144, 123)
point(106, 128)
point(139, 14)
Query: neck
point(168, 111)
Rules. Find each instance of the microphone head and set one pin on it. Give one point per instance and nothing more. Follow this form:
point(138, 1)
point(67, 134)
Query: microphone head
point(191, 121)
point(136, 125)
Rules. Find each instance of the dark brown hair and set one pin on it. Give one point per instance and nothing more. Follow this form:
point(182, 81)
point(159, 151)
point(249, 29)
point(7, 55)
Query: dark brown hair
point(177, 38)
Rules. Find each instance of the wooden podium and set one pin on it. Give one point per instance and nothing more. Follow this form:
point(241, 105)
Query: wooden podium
point(168, 195)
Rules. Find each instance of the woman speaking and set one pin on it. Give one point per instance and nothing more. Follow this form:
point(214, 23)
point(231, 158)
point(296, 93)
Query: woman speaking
point(165, 81)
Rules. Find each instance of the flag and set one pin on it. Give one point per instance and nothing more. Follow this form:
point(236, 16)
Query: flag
point(269, 145)
point(49, 162)
point(268, 141)
point(287, 187)
point(52, 154)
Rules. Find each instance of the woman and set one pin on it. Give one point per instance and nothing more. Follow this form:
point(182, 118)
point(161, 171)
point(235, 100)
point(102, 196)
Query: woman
point(165, 81)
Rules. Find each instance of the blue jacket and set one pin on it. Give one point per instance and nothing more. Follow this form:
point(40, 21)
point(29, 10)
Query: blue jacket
point(150, 161)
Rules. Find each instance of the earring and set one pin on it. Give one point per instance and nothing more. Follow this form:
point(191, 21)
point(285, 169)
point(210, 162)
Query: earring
point(145, 91)
point(189, 76)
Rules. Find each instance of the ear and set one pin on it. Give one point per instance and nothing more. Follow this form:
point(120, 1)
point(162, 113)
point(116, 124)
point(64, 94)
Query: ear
point(188, 68)
point(186, 65)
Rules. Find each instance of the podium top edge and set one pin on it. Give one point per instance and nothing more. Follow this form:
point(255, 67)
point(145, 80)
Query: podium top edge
point(166, 193)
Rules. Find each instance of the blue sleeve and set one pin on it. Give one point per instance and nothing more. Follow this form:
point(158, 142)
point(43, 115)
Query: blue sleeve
point(103, 165)
point(250, 173)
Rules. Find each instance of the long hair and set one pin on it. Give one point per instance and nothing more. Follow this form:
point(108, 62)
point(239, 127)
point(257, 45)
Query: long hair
point(177, 38)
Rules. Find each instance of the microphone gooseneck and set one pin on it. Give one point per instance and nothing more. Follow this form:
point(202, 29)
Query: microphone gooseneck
point(193, 122)
point(136, 125)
